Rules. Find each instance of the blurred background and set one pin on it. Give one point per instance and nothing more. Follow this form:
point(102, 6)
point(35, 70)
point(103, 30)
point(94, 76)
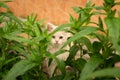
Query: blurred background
point(55, 11)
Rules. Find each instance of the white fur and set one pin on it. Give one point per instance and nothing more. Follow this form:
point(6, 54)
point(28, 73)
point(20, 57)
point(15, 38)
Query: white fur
point(56, 43)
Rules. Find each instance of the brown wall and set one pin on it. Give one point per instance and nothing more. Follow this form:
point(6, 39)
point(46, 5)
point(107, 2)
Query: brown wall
point(55, 11)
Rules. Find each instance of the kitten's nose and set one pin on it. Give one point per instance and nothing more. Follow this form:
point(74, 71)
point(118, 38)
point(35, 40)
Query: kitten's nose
point(56, 41)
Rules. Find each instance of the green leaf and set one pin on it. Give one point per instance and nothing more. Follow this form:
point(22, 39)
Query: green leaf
point(32, 18)
point(11, 16)
point(97, 46)
point(68, 76)
point(109, 1)
point(113, 25)
point(61, 65)
point(100, 23)
point(88, 4)
point(99, 7)
point(87, 42)
point(92, 64)
point(80, 34)
point(56, 78)
point(73, 50)
point(2, 4)
point(19, 69)
point(36, 30)
point(119, 14)
point(2, 61)
point(10, 60)
point(72, 19)
point(19, 39)
point(79, 64)
point(60, 52)
point(110, 72)
point(19, 49)
point(77, 9)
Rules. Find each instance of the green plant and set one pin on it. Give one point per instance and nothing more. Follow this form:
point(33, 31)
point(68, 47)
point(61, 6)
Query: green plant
point(103, 53)
point(6, 59)
point(22, 57)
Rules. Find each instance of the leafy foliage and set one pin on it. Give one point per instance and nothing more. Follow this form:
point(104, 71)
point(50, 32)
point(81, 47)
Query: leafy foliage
point(22, 57)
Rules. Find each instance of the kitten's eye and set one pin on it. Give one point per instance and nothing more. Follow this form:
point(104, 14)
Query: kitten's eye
point(53, 36)
point(61, 37)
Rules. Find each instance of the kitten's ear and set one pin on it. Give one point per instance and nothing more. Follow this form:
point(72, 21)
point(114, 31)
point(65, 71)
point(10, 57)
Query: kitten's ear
point(50, 27)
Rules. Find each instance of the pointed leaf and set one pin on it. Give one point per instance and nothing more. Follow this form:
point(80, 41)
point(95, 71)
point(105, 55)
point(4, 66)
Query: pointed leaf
point(113, 25)
point(80, 34)
point(19, 69)
point(92, 64)
point(109, 72)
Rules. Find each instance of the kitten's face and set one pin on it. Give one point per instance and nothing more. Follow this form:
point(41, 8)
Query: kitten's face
point(59, 37)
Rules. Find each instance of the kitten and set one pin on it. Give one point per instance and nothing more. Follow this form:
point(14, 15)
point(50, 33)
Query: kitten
point(57, 41)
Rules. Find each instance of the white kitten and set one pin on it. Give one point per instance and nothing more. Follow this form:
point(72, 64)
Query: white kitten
point(57, 41)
